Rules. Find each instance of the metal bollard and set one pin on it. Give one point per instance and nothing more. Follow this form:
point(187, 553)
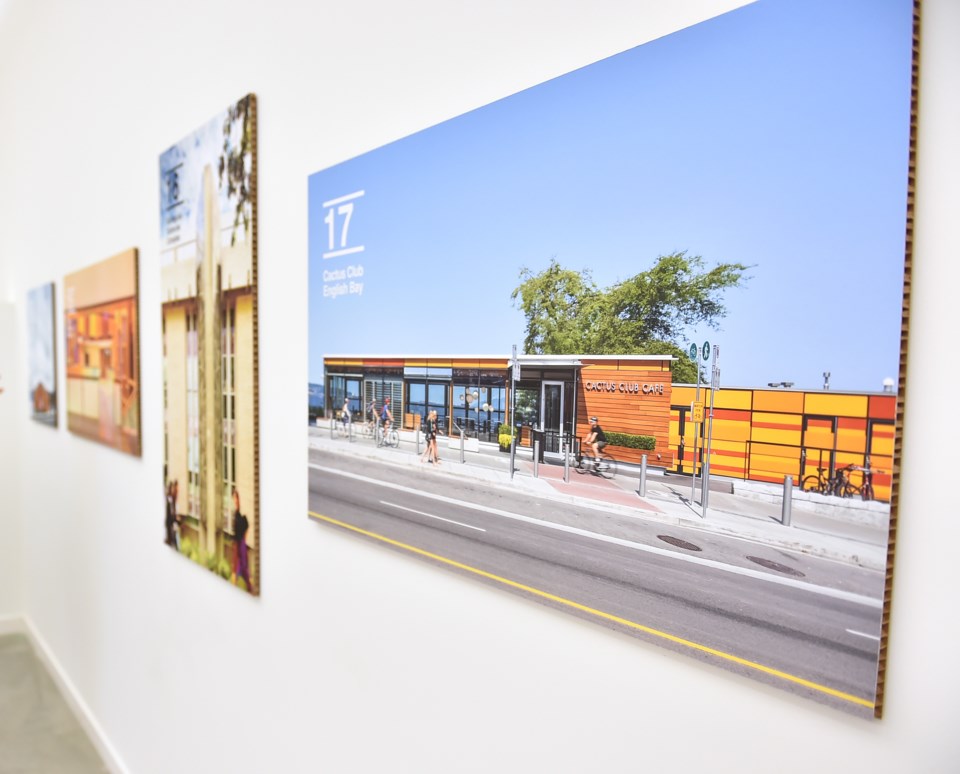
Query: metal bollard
point(462, 458)
point(787, 501)
point(418, 440)
point(332, 420)
point(566, 463)
point(536, 458)
point(642, 487)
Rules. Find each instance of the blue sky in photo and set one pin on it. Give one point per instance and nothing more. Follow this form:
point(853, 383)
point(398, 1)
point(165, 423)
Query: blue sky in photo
point(184, 163)
point(40, 338)
point(775, 135)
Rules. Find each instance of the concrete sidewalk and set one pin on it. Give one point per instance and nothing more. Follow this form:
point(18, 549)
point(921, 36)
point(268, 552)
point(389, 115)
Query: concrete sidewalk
point(843, 530)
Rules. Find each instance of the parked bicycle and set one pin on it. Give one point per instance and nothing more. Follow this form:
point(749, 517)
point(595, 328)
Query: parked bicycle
point(865, 490)
point(838, 484)
point(605, 467)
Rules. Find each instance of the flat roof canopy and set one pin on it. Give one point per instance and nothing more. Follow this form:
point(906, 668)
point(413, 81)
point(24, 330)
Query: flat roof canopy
point(542, 360)
point(576, 361)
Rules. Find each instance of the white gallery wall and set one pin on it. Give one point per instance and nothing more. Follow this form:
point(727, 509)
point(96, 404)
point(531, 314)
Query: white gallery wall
point(11, 576)
point(356, 658)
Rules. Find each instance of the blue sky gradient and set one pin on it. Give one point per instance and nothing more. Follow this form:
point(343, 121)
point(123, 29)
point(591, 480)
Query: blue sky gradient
point(40, 331)
point(776, 136)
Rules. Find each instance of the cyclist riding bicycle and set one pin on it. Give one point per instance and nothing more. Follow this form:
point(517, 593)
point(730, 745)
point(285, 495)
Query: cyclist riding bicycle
point(386, 417)
point(596, 440)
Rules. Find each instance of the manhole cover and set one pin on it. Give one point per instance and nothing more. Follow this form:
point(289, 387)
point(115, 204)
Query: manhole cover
point(679, 543)
point(770, 565)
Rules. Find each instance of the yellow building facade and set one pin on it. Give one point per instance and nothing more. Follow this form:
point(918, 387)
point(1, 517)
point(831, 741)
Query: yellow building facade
point(767, 434)
point(210, 394)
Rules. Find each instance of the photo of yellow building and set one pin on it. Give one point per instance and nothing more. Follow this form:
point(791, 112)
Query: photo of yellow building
point(208, 282)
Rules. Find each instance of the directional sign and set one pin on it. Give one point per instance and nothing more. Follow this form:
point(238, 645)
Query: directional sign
point(693, 351)
point(706, 350)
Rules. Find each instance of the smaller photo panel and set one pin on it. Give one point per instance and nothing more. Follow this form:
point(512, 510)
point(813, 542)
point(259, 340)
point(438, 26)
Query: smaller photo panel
point(42, 354)
point(101, 328)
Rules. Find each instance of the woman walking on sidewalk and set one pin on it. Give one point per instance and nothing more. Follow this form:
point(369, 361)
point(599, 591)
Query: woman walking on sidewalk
point(431, 428)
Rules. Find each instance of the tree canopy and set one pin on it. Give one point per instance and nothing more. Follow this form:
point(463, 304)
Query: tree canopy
point(236, 161)
point(649, 313)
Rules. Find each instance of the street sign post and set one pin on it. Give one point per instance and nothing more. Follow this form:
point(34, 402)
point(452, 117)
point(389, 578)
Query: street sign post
point(714, 386)
point(697, 423)
point(514, 378)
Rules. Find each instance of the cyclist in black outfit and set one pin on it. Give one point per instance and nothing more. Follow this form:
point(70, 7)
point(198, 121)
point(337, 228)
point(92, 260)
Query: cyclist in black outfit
point(596, 440)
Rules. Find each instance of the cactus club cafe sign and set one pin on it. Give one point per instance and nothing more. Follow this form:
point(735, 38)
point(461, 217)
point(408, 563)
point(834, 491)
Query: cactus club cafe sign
point(625, 388)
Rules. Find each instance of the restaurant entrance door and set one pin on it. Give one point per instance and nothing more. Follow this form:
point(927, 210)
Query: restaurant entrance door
point(552, 415)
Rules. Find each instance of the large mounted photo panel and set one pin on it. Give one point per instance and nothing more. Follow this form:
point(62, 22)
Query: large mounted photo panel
point(102, 331)
point(208, 278)
point(687, 259)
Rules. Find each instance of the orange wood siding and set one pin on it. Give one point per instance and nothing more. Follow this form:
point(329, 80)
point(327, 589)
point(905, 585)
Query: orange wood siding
point(628, 397)
point(883, 406)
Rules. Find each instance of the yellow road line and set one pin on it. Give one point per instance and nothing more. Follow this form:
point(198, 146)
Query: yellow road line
point(606, 616)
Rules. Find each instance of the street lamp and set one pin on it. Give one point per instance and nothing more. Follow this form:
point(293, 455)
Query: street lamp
point(468, 398)
point(826, 380)
point(474, 397)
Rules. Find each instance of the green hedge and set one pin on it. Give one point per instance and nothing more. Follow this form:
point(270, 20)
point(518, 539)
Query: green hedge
point(646, 442)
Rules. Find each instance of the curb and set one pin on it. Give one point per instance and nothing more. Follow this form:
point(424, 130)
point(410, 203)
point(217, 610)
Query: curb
point(855, 552)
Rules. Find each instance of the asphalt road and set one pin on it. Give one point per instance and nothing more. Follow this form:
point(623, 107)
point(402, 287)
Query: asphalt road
point(805, 624)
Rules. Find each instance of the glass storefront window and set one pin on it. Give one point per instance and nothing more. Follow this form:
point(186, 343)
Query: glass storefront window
point(479, 409)
point(423, 397)
point(340, 387)
point(526, 403)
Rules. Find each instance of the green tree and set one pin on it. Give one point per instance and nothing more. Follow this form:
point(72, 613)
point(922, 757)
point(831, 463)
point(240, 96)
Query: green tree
point(557, 303)
point(235, 165)
point(649, 313)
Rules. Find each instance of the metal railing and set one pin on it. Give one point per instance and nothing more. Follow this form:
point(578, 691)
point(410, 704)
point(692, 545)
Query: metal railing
point(460, 430)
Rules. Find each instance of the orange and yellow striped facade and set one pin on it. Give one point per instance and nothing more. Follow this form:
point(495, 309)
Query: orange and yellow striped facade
point(766, 434)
